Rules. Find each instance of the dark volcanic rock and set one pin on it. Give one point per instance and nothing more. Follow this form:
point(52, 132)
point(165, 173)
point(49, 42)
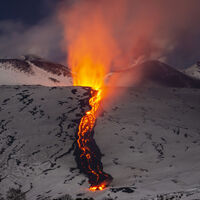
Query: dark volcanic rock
point(153, 73)
point(16, 64)
point(53, 68)
point(164, 75)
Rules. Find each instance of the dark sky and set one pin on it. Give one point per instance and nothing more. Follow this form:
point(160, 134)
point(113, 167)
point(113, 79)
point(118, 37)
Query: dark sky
point(26, 11)
point(30, 27)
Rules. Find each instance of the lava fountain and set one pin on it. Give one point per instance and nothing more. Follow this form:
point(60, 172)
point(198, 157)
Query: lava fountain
point(91, 49)
point(90, 72)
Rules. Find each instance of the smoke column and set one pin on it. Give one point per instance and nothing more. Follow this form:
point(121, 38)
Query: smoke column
point(122, 32)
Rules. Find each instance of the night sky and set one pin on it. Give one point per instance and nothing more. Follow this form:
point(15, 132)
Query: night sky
point(29, 12)
point(30, 27)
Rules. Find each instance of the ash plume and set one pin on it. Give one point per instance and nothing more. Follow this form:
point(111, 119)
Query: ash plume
point(137, 30)
point(164, 30)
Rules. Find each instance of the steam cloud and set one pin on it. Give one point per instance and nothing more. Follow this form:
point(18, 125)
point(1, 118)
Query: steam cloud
point(165, 30)
point(42, 39)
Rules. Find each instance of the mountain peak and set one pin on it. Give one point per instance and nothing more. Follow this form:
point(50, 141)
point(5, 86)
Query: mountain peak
point(194, 70)
point(31, 57)
point(31, 70)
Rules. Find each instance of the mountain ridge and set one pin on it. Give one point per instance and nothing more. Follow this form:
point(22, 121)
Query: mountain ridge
point(194, 70)
point(154, 73)
point(33, 71)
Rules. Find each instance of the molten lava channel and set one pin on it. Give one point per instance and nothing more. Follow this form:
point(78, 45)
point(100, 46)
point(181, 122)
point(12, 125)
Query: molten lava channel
point(88, 155)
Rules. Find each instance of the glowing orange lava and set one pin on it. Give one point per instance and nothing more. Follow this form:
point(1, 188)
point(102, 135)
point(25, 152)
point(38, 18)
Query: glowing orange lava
point(89, 63)
point(91, 49)
point(86, 125)
point(99, 178)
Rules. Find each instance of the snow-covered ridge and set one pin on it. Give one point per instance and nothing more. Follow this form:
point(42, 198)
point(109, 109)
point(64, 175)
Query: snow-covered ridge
point(153, 73)
point(32, 70)
point(194, 70)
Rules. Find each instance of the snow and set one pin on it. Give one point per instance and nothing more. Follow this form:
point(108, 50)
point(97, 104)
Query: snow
point(150, 139)
point(155, 136)
point(152, 73)
point(10, 75)
point(193, 71)
point(37, 126)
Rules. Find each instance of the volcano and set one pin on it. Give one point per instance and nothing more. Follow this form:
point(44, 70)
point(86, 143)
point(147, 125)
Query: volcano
point(194, 70)
point(154, 73)
point(149, 142)
point(33, 70)
point(52, 142)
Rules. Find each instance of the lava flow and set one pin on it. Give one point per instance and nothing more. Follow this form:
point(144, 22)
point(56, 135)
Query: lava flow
point(91, 50)
point(88, 153)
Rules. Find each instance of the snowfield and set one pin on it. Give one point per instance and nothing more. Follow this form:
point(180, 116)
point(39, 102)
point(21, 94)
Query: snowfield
point(193, 71)
point(150, 139)
point(37, 130)
point(32, 70)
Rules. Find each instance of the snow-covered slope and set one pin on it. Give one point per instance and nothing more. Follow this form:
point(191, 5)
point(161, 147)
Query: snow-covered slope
point(150, 140)
point(193, 71)
point(152, 143)
point(153, 73)
point(31, 70)
point(37, 131)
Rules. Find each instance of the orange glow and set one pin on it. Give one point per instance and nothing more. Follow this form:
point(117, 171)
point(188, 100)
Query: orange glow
point(93, 188)
point(98, 187)
point(90, 50)
point(86, 125)
point(88, 57)
point(91, 47)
